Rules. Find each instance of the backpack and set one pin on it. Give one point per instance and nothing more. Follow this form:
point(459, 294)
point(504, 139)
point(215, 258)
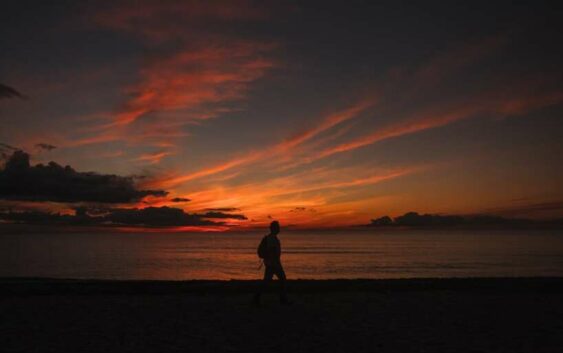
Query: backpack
point(263, 248)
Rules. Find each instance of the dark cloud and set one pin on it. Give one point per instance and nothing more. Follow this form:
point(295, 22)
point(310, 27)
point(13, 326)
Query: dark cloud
point(5, 146)
point(9, 92)
point(214, 214)
point(45, 146)
point(414, 219)
point(43, 218)
point(302, 209)
point(145, 217)
point(156, 216)
point(180, 199)
point(382, 221)
point(6, 151)
point(52, 182)
point(223, 209)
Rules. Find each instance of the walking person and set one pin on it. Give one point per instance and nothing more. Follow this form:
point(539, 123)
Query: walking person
point(269, 251)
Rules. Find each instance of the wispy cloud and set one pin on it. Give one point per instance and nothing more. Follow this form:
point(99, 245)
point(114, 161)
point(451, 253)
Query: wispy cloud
point(292, 151)
point(45, 146)
point(153, 158)
point(282, 148)
point(311, 189)
point(476, 106)
point(173, 180)
point(493, 103)
point(326, 123)
point(196, 77)
point(192, 71)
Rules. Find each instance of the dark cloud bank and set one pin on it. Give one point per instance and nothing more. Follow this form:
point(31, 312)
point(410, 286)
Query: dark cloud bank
point(146, 217)
point(222, 209)
point(45, 146)
point(414, 219)
point(180, 199)
point(19, 181)
point(52, 182)
point(216, 214)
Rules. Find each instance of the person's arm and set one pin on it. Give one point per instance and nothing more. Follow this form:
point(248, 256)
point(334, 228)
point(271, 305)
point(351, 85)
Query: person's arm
point(277, 249)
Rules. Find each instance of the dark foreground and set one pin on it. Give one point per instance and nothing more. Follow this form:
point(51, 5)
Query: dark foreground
point(439, 315)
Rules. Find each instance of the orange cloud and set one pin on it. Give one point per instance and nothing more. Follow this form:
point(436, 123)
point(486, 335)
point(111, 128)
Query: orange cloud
point(196, 83)
point(194, 69)
point(193, 78)
point(171, 181)
point(326, 123)
point(486, 104)
point(428, 74)
point(284, 147)
point(153, 158)
point(204, 67)
point(279, 196)
point(408, 127)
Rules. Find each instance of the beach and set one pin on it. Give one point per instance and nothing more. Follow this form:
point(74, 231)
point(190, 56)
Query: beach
point(403, 315)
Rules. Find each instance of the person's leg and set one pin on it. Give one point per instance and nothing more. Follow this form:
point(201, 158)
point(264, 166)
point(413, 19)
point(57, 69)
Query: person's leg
point(280, 274)
point(263, 285)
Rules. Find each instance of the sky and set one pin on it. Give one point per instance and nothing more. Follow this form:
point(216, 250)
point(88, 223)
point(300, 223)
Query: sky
point(228, 114)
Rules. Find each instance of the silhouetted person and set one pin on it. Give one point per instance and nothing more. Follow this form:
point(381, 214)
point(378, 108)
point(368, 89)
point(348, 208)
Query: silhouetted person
point(270, 251)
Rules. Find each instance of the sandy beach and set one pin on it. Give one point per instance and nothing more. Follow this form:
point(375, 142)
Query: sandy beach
point(415, 315)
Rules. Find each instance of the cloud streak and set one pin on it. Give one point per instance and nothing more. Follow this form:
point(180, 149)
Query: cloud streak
point(282, 148)
point(307, 189)
point(153, 158)
point(9, 92)
point(194, 71)
point(193, 78)
point(509, 106)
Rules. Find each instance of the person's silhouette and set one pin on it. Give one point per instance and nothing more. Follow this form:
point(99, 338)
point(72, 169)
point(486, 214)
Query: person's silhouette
point(270, 251)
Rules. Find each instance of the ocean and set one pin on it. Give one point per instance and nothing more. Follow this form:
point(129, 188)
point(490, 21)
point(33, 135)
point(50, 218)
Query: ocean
point(306, 254)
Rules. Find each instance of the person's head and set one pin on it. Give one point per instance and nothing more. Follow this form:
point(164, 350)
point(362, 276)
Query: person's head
point(275, 227)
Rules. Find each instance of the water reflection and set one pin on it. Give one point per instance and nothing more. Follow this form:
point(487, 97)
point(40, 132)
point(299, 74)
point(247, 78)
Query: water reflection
point(315, 255)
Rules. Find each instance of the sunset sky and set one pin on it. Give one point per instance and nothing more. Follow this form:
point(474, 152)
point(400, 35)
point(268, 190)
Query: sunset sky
point(318, 114)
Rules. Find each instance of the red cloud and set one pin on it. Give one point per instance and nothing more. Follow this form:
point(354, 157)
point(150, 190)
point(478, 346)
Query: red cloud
point(153, 158)
point(196, 77)
point(195, 66)
point(490, 103)
point(279, 149)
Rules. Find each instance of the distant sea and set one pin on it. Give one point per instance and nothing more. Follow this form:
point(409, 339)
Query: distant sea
point(306, 255)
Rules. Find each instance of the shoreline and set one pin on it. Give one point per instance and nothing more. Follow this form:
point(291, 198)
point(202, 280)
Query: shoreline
point(62, 286)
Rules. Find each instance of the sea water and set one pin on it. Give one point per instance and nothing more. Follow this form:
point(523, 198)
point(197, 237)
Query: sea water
point(306, 254)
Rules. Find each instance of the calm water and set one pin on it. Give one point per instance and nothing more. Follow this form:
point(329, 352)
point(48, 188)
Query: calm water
point(318, 255)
